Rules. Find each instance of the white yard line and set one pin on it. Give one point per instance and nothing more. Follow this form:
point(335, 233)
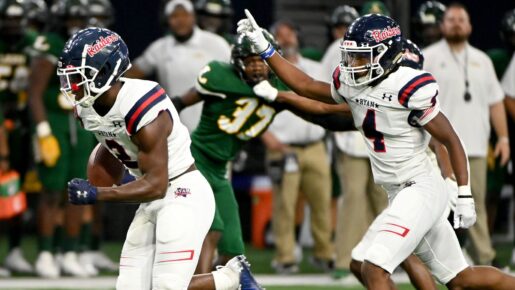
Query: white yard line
point(109, 282)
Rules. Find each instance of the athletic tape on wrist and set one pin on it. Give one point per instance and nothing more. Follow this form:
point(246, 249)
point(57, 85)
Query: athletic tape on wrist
point(269, 51)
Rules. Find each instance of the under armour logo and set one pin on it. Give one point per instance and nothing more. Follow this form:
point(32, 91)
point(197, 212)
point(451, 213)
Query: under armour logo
point(389, 97)
point(82, 194)
point(117, 124)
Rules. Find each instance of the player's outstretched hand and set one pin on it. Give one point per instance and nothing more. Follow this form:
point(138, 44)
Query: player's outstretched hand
point(80, 191)
point(254, 33)
point(265, 90)
point(465, 213)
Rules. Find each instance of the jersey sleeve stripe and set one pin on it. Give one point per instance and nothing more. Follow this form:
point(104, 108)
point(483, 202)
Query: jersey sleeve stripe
point(144, 104)
point(412, 86)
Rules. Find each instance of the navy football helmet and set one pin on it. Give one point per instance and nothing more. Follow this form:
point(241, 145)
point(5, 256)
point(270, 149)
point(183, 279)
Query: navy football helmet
point(412, 56)
point(94, 58)
point(371, 49)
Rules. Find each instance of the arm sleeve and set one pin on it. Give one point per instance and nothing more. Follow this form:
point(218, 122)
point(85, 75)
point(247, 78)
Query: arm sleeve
point(141, 109)
point(149, 60)
point(508, 80)
point(419, 95)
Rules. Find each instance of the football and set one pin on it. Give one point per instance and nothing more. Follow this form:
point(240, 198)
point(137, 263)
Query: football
point(104, 169)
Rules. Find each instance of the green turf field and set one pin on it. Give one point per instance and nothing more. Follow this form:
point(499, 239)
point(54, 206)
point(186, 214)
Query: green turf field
point(259, 258)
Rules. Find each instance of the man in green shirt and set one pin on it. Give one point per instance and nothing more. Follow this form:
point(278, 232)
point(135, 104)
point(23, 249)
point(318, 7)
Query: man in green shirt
point(232, 115)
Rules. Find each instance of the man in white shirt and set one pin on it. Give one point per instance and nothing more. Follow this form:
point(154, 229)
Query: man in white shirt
point(471, 97)
point(176, 58)
point(508, 85)
point(306, 168)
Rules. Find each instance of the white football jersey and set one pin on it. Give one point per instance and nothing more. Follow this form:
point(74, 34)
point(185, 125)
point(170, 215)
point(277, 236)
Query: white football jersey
point(390, 115)
point(138, 103)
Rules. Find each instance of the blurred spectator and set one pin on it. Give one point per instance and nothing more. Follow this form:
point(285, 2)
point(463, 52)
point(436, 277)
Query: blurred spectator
point(470, 95)
point(63, 146)
point(340, 20)
point(426, 23)
point(508, 84)
point(372, 7)
point(36, 14)
point(177, 58)
point(497, 175)
point(101, 13)
point(216, 16)
point(14, 39)
point(298, 148)
point(4, 166)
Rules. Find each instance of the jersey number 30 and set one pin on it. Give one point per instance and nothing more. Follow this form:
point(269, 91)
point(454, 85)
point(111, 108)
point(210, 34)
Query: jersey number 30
point(369, 128)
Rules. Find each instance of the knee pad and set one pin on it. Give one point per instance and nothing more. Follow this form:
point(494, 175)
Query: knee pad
point(170, 281)
point(379, 255)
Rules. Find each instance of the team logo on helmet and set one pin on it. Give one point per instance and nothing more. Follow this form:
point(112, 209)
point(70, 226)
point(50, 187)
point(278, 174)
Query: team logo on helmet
point(388, 32)
point(101, 43)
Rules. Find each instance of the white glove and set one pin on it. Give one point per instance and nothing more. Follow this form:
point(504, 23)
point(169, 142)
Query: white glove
point(465, 212)
point(254, 33)
point(265, 90)
point(452, 188)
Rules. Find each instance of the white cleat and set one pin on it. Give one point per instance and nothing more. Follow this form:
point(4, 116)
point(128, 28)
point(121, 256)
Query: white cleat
point(102, 262)
point(46, 266)
point(17, 263)
point(70, 265)
point(4, 273)
point(86, 261)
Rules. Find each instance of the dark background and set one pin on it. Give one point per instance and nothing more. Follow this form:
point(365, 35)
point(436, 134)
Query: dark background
point(141, 22)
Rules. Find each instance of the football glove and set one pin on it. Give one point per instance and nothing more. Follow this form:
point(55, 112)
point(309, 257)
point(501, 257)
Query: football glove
point(80, 191)
point(265, 90)
point(47, 144)
point(465, 212)
point(254, 33)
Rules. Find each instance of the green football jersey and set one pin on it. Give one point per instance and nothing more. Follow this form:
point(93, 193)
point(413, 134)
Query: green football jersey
point(232, 114)
point(14, 71)
point(50, 46)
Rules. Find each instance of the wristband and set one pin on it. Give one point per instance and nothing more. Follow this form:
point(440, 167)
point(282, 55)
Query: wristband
point(464, 191)
point(43, 129)
point(269, 51)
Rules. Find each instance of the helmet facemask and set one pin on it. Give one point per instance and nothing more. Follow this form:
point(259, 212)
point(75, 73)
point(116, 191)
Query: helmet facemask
point(361, 65)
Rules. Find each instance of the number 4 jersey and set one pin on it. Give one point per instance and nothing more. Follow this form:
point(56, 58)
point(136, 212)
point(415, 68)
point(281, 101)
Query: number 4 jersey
point(138, 103)
point(390, 115)
point(232, 113)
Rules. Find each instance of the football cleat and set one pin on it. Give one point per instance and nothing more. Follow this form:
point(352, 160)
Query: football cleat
point(17, 263)
point(247, 280)
point(70, 265)
point(46, 266)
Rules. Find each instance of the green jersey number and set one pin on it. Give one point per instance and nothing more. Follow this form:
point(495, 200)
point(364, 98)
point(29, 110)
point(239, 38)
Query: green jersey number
point(14, 78)
point(247, 106)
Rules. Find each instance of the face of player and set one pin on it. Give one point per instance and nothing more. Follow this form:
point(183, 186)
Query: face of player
point(256, 69)
point(287, 39)
point(355, 60)
point(456, 26)
point(181, 22)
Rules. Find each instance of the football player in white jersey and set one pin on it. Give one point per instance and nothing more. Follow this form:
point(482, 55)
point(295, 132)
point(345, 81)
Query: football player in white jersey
point(137, 123)
point(394, 107)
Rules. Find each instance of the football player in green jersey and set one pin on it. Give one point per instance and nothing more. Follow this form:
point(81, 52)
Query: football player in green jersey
point(63, 144)
point(13, 103)
point(233, 114)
